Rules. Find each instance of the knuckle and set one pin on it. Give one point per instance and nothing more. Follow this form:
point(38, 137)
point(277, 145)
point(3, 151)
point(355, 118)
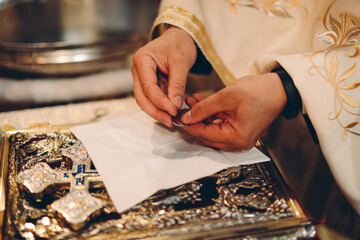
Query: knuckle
point(136, 57)
point(139, 55)
point(178, 85)
point(146, 88)
point(151, 112)
point(162, 102)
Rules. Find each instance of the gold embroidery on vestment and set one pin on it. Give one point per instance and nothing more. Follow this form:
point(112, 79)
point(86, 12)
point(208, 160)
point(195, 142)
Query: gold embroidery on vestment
point(339, 34)
point(270, 7)
point(180, 17)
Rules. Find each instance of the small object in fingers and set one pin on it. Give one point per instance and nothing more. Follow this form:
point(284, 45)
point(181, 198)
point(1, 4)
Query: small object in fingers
point(177, 119)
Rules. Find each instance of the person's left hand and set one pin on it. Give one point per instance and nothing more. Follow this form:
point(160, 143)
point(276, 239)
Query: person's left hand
point(237, 115)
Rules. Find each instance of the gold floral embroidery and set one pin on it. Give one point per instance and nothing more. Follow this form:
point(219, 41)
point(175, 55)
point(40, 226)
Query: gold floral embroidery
point(342, 33)
point(339, 33)
point(270, 7)
point(343, 102)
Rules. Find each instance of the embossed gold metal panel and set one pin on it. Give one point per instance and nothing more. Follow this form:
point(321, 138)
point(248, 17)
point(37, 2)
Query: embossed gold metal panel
point(50, 189)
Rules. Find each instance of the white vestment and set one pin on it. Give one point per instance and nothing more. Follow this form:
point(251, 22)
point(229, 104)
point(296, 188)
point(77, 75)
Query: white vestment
point(316, 42)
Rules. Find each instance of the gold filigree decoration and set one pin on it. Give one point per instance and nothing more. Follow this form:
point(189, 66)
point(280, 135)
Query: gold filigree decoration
point(270, 7)
point(342, 33)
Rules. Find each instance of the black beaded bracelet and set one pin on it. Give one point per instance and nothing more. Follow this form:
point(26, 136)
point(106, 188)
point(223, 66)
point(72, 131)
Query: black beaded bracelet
point(293, 104)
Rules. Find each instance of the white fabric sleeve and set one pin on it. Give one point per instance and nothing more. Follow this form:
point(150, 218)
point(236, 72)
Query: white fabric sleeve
point(329, 85)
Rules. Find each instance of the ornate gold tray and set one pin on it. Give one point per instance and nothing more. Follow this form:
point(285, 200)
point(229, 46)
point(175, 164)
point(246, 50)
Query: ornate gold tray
point(49, 188)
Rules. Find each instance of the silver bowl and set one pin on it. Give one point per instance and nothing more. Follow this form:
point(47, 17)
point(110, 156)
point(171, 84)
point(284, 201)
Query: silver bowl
point(69, 37)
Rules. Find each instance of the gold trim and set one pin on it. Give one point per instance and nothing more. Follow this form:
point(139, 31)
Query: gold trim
point(271, 8)
point(3, 175)
point(181, 18)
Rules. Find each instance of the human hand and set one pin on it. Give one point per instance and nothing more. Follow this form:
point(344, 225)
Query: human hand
point(237, 115)
point(160, 70)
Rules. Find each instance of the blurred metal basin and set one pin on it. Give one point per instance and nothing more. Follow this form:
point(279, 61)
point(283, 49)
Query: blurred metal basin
point(69, 37)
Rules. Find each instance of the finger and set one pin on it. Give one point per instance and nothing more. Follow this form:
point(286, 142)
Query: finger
point(199, 97)
point(177, 83)
point(190, 101)
point(217, 145)
point(220, 133)
point(147, 76)
point(146, 105)
point(215, 119)
point(221, 136)
point(194, 99)
point(206, 108)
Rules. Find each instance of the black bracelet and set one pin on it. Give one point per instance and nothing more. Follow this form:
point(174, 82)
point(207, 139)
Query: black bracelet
point(201, 65)
point(293, 104)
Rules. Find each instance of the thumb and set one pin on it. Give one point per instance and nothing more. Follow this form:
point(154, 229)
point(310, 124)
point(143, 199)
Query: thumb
point(177, 84)
point(206, 108)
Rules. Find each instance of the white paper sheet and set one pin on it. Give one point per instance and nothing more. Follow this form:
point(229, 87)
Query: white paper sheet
point(137, 156)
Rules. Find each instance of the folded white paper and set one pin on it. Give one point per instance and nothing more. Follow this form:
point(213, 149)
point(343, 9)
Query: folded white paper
point(137, 156)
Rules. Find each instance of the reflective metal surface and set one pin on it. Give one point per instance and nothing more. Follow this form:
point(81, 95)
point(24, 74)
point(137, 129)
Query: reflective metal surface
point(249, 201)
point(72, 37)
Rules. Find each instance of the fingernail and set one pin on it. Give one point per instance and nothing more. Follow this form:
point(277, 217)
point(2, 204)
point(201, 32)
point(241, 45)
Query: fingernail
point(177, 101)
point(186, 118)
point(217, 121)
point(169, 125)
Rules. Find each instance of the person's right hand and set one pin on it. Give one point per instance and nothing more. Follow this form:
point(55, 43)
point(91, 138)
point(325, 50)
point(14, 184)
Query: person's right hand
point(236, 116)
point(160, 70)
